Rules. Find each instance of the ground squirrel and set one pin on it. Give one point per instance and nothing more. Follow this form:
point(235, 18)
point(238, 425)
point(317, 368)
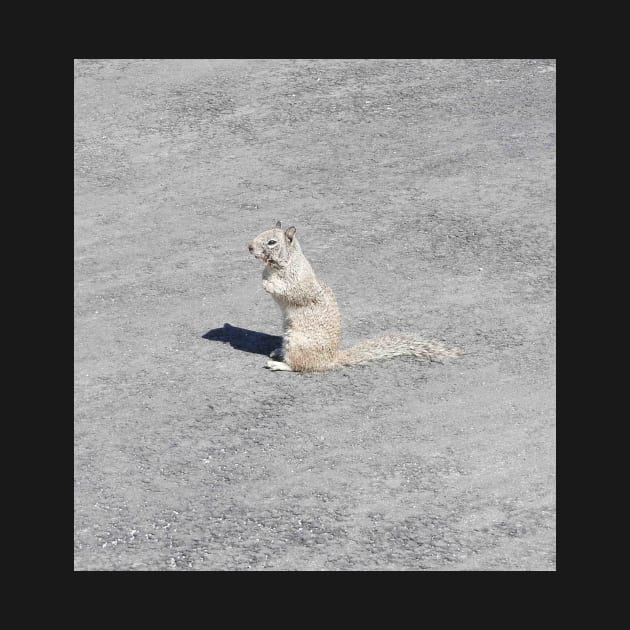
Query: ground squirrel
point(312, 325)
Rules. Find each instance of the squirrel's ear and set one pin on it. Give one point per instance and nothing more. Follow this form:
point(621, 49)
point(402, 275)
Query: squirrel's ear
point(278, 225)
point(290, 233)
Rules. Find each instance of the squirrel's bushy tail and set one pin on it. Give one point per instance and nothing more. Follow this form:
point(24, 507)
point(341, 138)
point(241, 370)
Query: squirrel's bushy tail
point(389, 346)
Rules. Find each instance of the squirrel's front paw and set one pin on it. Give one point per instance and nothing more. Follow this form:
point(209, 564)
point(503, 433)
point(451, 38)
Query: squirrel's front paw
point(267, 286)
point(276, 354)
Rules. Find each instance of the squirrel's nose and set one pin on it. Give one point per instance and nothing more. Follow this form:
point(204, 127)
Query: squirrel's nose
point(250, 247)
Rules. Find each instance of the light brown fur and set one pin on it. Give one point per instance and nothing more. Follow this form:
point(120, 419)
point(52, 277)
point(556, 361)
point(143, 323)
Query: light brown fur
point(312, 324)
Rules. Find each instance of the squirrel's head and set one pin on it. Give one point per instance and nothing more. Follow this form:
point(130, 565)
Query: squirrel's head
point(274, 247)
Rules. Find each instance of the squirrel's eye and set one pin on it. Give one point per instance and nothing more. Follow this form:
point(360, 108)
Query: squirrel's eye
point(271, 242)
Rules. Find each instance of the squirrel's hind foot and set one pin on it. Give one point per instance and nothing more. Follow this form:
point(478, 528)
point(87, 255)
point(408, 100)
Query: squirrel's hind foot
point(278, 365)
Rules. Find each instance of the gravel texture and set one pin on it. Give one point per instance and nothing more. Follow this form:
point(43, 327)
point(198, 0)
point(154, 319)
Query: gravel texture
point(423, 192)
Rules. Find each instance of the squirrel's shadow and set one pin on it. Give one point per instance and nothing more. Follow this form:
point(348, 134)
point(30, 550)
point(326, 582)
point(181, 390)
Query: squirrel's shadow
point(244, 339)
